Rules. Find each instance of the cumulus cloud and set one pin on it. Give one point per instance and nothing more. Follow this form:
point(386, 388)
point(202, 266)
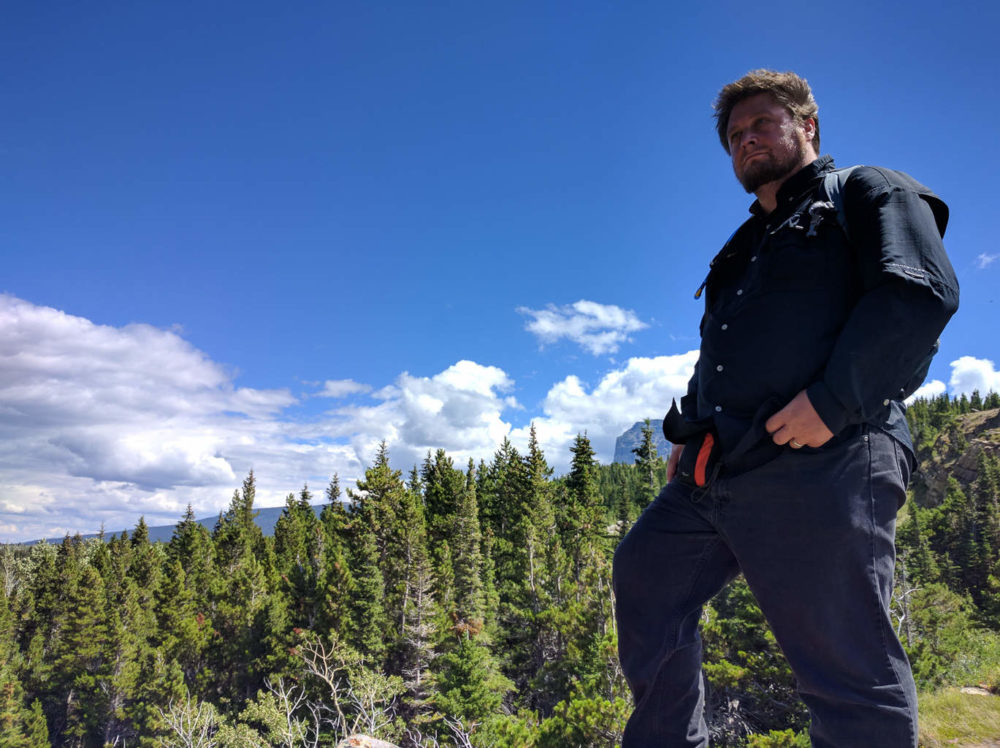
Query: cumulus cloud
point(102, 424)
point(969, 373)
point(108, 423)
point(458, 410)
point(597, 328)
point(984, 260)
point(643, 388)
point(338, 388)
point(928, 390)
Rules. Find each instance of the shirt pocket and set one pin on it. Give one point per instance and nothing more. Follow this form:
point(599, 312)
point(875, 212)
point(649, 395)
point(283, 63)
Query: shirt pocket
point(793, 260)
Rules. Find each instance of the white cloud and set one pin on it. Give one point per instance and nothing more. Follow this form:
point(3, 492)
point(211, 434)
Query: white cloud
point(984, 260)
point(458, 410)
point(105, 423)
point(969, 373)
point(598, 328)
point(99, 424)
point(102, 424)
point(642, 389)
point(928, 390)
point(338, 388)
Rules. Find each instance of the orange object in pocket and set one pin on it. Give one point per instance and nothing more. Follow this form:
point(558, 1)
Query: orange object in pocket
point(702, 462)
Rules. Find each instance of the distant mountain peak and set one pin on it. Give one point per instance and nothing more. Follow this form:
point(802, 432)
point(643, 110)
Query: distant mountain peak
point(632, 438)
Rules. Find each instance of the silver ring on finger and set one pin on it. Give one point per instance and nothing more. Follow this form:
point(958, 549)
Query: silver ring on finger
point(795, 445)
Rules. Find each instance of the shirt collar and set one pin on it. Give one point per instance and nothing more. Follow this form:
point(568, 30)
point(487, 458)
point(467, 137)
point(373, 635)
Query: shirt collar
point(796, 184)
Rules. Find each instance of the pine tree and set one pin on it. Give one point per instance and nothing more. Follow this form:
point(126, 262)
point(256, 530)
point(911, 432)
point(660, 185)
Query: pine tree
point(185, 604)
point(467, 560)
point(35, 609)
point(954, 537)
point(81, 665)
point(382, 540)
point(191, 546)
point(646, 459)
point(298, 558)
point(582, 525)
point(443, 487)
point(336, 582)
point(183, 632)
point(533, 655)
point(131, 585)
point(584, 621)
point(913, 543)
point(469, 685)
point(414, 650)
point(21, 726)
point(369, 621)
point(986, 499)
point(976, 401)
point(443, 490)
point(241, 598)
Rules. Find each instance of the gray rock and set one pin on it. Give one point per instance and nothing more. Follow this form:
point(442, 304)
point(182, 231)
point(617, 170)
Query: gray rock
point(632, 438)
point(363, 741)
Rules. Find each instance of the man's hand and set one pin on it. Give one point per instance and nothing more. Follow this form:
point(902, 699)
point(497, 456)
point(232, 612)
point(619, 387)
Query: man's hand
point(798, 425)
point(675, 456)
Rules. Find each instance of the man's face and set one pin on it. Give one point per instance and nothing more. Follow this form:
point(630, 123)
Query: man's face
point(766, 143)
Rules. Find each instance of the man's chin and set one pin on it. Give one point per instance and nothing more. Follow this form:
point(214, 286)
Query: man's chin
point(753, 179)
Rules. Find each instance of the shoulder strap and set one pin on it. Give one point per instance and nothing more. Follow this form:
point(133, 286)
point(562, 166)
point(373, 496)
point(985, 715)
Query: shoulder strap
point(833, 187)
point(833, 190)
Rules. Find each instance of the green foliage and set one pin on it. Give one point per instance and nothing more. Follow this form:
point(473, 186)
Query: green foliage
point(463, 607)
point(950, 717)
point(779, 739)
point(587, 722)
point(469, 686)
point(750, 682)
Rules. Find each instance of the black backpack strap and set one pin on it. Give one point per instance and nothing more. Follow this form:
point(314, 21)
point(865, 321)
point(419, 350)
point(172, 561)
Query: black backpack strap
point(833, 190)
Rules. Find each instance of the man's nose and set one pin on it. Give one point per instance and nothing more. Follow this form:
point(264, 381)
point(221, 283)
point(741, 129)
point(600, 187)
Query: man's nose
point(748, 137)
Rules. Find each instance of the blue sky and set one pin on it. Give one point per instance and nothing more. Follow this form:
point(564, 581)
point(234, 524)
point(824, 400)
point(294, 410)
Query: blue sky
point(262, 235)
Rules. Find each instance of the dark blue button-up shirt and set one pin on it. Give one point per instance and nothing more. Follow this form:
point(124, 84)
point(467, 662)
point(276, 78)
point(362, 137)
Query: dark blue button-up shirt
point(793, 303)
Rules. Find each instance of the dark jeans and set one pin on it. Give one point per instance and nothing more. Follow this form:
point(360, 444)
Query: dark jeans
point(813, 533)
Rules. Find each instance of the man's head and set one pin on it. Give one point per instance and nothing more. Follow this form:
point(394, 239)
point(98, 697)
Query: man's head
point(767, 123)
point(787, 89)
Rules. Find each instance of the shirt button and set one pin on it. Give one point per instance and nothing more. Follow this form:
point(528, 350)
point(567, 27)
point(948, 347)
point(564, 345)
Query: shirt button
point(739, 292)
point(719, 367)
point(886, 401)
point(753, 259)
point(725, 325)
point(718, 408)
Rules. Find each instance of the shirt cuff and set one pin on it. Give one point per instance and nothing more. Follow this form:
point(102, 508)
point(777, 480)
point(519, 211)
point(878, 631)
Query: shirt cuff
point(829, 409)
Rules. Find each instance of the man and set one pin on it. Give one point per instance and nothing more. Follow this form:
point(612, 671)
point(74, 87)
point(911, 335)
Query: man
point(792, 458)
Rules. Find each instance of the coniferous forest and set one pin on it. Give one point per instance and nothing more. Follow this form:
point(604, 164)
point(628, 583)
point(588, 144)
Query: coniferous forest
point(459, 605)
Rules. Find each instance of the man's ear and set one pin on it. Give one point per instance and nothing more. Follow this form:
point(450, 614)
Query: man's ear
point(809, 128)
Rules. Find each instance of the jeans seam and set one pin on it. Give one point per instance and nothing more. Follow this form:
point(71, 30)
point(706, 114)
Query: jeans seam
point(879, 618)
point(699, 566)
point(671, 639)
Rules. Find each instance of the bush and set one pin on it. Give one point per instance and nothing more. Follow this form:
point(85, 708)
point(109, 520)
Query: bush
point(779, 739)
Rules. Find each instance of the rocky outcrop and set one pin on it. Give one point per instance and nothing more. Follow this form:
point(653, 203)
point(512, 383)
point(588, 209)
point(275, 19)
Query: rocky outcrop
point(363, 741)
point(632, 438)
point(955, 453)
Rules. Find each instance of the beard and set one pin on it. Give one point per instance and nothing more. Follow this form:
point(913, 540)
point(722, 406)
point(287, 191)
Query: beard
point(771, 168)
